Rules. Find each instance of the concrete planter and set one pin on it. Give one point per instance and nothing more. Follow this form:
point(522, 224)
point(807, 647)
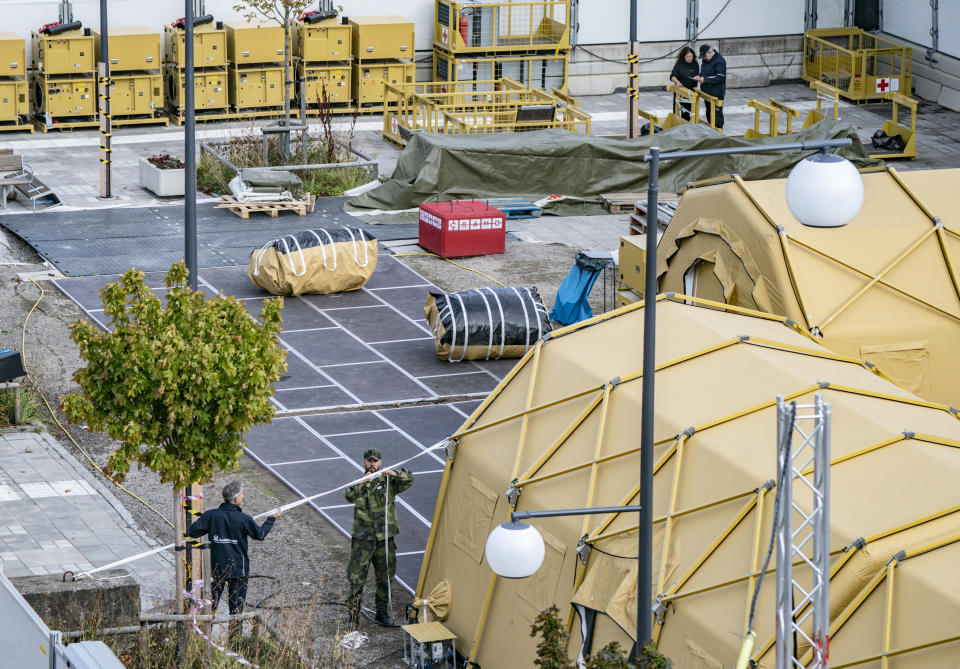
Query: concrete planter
point(164, 183)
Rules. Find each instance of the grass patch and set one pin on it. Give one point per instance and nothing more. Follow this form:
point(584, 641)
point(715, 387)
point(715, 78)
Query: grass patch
point(31, 406)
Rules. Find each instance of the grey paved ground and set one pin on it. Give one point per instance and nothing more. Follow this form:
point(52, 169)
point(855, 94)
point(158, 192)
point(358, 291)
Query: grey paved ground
point(56, 517)
point(69, 161)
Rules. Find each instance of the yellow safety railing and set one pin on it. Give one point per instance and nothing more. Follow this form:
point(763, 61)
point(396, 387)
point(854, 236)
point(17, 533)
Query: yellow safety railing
point(825, 93)
point(489, 27)
point(773, 109)
point(456, 108)
point(680, 93)
point(863, 66)
point(893, 128)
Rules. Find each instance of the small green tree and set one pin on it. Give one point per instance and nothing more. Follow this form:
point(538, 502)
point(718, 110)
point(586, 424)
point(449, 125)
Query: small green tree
point(179, 384)
point(552, 649)
point(282, 12)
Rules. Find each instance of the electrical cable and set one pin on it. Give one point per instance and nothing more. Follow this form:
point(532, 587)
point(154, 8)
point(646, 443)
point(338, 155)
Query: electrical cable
point(614, 555)
point(53, 415)
point(781, 482)
point(669, 53)
point(469, 269)
point(382, 657)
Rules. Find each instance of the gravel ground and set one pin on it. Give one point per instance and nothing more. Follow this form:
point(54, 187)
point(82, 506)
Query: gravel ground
point(303, 550)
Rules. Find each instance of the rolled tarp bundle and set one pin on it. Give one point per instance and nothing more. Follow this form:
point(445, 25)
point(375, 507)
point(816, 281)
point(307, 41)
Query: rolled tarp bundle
point(315, 262)
point(486, 323)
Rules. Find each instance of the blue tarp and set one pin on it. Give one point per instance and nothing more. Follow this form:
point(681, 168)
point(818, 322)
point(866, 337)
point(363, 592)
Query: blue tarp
point(572, 305)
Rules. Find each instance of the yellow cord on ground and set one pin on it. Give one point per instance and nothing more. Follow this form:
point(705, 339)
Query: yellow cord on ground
point(23, 338)
point(469, 269)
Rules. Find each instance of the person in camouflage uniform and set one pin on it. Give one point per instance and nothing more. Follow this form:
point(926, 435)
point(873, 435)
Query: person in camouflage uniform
point(374, 527)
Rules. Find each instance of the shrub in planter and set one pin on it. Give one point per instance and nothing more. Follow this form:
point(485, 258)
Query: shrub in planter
point(163, 174)
point(165, 161)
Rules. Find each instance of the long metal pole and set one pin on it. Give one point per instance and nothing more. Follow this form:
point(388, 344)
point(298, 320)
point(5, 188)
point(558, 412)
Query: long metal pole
point(645, 559)
point(189, 151)
point(103, 92)
point(633, 92)
point(586, 511)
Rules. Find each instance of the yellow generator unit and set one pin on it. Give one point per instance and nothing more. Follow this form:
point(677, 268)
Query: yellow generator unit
point(469, 26)
point(335, 78)
point(136, 94)
point(209, 88)
point(253, 42)
point(368, 79)
point(545, 71)
point(209, 45)
point(135, 48)
point(381, 37)
point(323, 41)
point(65, 96)
point(13, 55)
point(64, 53)
point(14, 101)
point(253, 87)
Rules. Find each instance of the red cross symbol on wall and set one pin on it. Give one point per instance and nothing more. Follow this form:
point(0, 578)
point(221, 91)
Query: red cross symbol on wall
point(883, 85)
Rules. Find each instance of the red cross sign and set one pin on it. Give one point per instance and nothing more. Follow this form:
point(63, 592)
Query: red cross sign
point(444, 35)
point(885, 84)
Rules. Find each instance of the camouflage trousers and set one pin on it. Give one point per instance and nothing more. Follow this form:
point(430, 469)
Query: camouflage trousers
point(363, 552)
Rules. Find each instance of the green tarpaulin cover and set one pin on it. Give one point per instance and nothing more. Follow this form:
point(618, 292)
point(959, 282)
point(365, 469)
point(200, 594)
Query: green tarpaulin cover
point(534, 165)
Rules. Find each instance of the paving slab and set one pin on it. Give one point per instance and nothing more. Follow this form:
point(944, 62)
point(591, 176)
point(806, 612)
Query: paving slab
point(67, 521)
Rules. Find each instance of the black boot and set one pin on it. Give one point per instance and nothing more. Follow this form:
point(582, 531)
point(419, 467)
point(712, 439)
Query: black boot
point(383, 618)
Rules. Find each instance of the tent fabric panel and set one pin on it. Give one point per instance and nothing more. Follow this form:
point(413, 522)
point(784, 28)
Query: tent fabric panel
point(937, 190)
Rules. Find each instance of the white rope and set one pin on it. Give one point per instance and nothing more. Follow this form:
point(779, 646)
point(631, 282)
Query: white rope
point(503, 325)
point(453, 328)
point(286, 251)
point(489, 321)
point(366, 251)
point(526, 320)
point(535, 310)
point(466, 327)
point(323, 250)
point(285, 507)
point(200, 602)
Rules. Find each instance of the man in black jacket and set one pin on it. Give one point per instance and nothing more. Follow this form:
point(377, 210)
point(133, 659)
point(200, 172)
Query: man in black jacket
point(228, 528)
point(713, 78)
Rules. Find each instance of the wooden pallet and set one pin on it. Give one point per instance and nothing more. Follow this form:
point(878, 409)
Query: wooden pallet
point(244, 209)
point(617, 203)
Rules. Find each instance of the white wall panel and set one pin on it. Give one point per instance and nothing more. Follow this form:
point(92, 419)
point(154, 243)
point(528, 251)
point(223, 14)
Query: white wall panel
point(910, 19)
point(22, 16)
point(949, 27)
point(750, 18)
point(608, 21)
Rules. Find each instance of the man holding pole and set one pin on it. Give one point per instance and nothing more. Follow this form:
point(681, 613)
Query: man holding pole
point(374, 527)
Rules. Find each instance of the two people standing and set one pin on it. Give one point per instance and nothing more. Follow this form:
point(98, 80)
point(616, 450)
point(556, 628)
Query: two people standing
point(711, 76)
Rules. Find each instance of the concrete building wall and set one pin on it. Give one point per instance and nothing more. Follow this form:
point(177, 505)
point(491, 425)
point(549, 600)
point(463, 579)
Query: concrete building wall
point(750, 62)
point(936, 80)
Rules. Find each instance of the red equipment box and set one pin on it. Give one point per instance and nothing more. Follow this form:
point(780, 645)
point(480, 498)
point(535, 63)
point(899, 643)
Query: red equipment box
point(462, 228)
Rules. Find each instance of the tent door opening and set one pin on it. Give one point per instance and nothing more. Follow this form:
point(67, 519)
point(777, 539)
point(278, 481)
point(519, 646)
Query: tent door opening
point(700, 280)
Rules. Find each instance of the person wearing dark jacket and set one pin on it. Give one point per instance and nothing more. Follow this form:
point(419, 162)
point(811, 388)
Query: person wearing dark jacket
point(228, 528)
point(713, 78)
point(684, 73)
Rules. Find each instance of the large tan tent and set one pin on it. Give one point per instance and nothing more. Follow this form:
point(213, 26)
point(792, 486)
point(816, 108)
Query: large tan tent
point(883, 288)
point(562, 430)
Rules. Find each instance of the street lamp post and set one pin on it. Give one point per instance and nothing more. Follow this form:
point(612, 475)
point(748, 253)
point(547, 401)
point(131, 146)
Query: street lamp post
point(189, 150)
point(823, 190)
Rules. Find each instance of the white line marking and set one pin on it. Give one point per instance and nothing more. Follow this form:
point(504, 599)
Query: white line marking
point(409, 438)
point(344, 434)
point(287, 390)
point(418, 285)
point(398, 341)
point(328, 327)
point(438, 376)
point(349, 364)
point(300, 462)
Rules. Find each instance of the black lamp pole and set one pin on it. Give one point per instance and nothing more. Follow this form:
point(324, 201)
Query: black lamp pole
point(189, 151)
point(645, 573)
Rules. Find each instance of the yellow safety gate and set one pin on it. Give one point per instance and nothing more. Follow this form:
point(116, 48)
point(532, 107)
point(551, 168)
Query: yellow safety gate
point(454, 107)
point(489, 27)
point(863, 66)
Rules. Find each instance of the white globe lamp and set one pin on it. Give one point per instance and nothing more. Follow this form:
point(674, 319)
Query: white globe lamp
point(824, 191)
point(514, 550)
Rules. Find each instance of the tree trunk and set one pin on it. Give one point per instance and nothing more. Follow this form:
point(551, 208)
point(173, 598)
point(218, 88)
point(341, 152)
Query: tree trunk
point(286, 83)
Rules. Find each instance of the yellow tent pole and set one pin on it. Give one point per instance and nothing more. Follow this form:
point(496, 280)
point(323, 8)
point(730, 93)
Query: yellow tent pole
point(428, 552)
point(714, 545)
point(561, 440)
point(941, 441)
point(475, 416)
point(862, 451)
point(671, 507)
point(897, 652)
point(482, 622)
point(601, 430)
point(755, 557)
point(938, 226)
point(888, 616)
point(527, 405)
point(755, 408)
point(884, 396)
point(882, 283)
point(520, 414)
point(876, 279)
point(782, 236)
point(826, 355)
point(680, 298)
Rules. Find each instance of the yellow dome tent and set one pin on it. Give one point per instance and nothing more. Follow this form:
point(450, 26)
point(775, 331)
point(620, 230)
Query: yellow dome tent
point(883, 288)
point(562, 430)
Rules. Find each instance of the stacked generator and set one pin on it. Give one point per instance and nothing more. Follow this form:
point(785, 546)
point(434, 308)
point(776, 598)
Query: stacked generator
point(136, 88)
point(382, 54)
point(255, 53)
point(481, 41)
point(14, 91)
point(322, 47)
point(210, 69)
point(64, 76)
